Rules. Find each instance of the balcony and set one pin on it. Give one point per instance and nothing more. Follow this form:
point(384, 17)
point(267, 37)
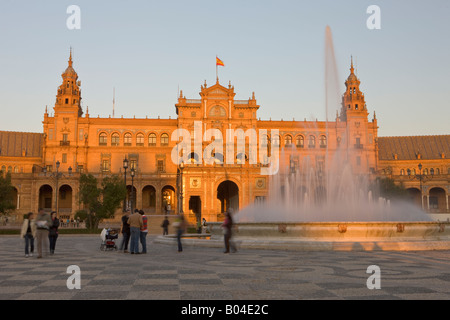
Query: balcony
point(63, 143)
point(359, 146)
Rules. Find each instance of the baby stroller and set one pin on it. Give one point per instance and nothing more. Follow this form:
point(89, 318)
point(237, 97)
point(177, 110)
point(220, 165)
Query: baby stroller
point(109, 237)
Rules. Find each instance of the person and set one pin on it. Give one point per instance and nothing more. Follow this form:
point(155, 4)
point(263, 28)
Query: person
point(199, 226)
point(135, 221)
point(43, 223)
point(204, 225)
point(228, 226)
point(53, 232)
point(180, 225)
point(125, 233)
point(165, 226)
point(144, 231)
point(28, 233)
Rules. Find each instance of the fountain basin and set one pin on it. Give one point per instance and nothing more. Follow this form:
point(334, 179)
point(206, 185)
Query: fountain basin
point(340, 236)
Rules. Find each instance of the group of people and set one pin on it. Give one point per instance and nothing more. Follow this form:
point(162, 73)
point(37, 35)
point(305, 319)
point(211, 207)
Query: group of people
point(134, 231)
point(44, 228)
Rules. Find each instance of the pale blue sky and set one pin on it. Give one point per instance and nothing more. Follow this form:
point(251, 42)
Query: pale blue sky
point(147, 49)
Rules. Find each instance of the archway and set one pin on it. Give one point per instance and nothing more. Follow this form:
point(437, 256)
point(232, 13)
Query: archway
point(149, 199)
point(65, 201)
point(228, 195)
point(195, 206)
point(415, 196)
point(45, 197)
point(437, 201)
point(168, 199)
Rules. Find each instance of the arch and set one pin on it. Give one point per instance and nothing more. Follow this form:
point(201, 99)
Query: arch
point(228, 195)
point(414, 196)
point(65, 194)
point(322, 141)
point(140, 139)
point(103, 139)
point(193, 158)
point(217, 112)
point(46, 197)
point(311, 141)
point(300, 141)
point(437, 200)
point(164, 139)
point(168, 199)
point(149, 198)
point(241, 158)
point(127, 139)
point(115, 139)
point(152, 139)
point(287, 140)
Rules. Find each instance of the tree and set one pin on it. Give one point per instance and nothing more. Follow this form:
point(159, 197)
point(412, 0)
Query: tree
point(100, 202)
point(6, 194)
point(387, 188)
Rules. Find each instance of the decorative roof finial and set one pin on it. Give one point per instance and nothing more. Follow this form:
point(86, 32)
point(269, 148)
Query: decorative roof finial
point(351, 67)
point(70, 57)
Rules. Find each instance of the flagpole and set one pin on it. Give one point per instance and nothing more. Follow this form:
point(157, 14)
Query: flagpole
point(217, 71)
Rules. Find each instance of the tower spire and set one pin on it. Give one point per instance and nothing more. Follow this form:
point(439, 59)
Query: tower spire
point(70, 57)
point(351, 66)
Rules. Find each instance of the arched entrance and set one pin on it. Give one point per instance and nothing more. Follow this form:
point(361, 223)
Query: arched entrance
point(228, 195)
point(168, 199)
point(437, 201)
point(65, 201)
point(45, 197)
point(149, 199)
point(415, 196)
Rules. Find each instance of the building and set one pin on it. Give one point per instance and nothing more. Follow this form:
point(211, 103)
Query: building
point(46, 166)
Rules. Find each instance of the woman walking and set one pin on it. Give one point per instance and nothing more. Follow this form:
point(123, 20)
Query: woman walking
point(28, 233)
point(53, 232)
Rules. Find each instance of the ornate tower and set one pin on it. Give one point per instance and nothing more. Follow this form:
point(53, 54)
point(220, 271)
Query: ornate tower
point(68, 98)
point(353, 102)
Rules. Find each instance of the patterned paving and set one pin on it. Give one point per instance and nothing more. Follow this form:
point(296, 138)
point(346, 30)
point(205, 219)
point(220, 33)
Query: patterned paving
point(200, 273)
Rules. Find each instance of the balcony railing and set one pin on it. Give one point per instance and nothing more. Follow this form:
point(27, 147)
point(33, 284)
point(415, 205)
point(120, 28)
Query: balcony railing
point(64, 143)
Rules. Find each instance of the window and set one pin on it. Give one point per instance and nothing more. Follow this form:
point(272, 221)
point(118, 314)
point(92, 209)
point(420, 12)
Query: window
point(64, 158)
point(102, 139)
point(161, 166)
point(115, 139)
point(322, 141)
point(127, 139)
point(50, 134)
point(3, 168)
point(402, 172)
point(312, 142)
point(140, 140)
point(434, 204)
point(65, 137)
point(133, 164)
point(81, 135)
point(276, 140)
point(288, 140)
point(164, 139)
point(152, 140)
point(67, 101)
point(300, 142)
point(105, 165)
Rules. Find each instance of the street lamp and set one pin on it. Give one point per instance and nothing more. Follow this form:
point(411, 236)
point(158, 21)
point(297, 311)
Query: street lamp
point(132, 173)
point(125, 167)
point(181, 187)
point(422, 178)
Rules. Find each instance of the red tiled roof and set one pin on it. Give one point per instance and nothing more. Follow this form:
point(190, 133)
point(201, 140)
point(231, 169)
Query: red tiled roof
point(18, 144)
point(408, 148)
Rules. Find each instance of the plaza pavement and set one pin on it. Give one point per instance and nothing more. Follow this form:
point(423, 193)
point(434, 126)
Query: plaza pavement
point(206, 273)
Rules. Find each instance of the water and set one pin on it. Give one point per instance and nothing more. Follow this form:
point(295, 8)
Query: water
point(332, 192)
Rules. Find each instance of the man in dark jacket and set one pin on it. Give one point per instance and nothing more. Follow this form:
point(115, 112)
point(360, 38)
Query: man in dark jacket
point(125, 232)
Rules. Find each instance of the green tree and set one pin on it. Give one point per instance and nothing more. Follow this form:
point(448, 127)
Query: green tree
point(387, 188)
point(6, 194)
point(102, 201)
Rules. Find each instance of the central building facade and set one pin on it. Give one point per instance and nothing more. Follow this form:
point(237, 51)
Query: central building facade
point(73, 143)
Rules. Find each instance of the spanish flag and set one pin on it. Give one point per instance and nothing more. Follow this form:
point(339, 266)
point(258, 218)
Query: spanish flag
point(219, 62)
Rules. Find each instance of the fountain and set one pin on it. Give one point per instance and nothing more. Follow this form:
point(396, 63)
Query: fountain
point(328, 207)
point(331, 208)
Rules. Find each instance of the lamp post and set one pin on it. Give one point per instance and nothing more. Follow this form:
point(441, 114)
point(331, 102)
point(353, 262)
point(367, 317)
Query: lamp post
point(181, 187)
point(125, 167)
point(132, 173)
point(422, 178)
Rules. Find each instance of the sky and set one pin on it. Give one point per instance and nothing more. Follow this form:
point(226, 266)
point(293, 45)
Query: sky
point(146, 51)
